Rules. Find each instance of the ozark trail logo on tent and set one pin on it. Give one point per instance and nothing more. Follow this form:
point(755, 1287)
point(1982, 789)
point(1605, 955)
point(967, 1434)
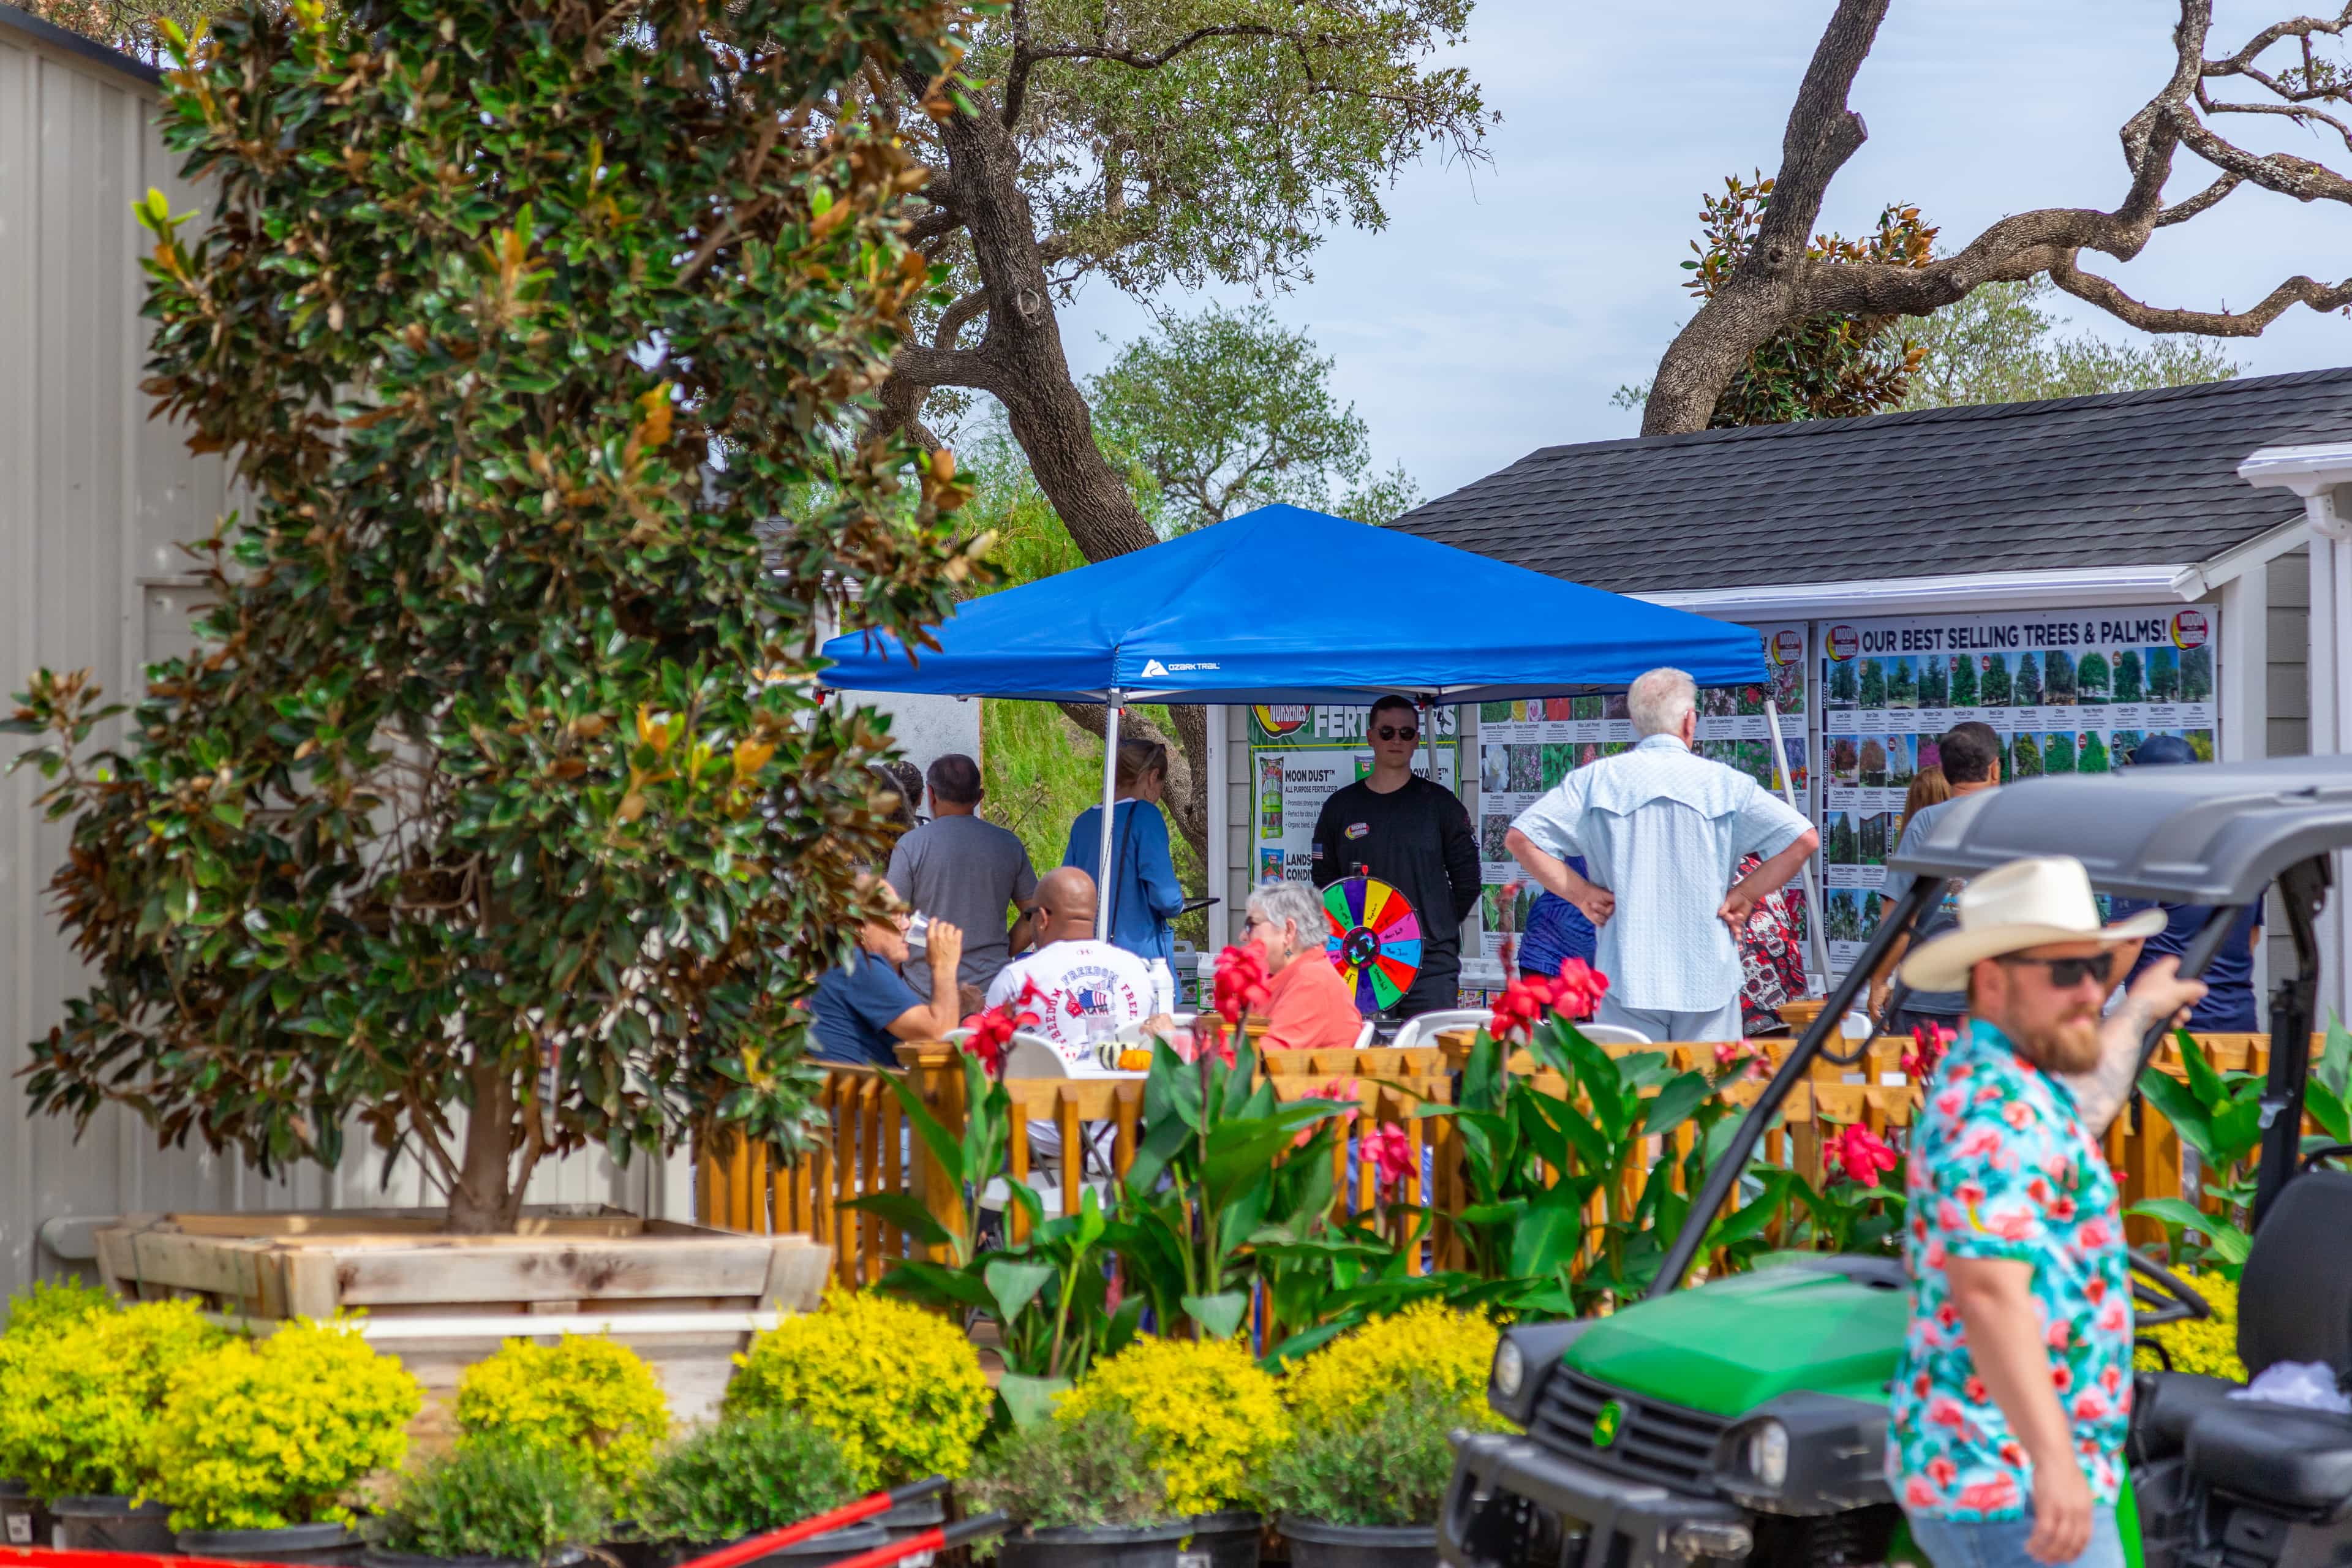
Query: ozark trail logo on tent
point(1153, 666)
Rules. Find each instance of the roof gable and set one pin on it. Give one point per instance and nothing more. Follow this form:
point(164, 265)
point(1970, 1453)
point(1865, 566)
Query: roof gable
point(2125, 479)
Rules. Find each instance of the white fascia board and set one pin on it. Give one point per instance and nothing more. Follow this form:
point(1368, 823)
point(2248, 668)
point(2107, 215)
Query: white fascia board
point(2055, 588)
point(2305, 471)
point(2240, 559)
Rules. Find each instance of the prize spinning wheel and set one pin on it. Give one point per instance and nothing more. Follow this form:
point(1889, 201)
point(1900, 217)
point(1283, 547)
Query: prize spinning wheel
point(1374, 942)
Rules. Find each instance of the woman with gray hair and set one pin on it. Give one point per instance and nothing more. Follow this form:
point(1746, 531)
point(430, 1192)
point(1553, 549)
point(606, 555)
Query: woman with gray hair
point(1308, 1006)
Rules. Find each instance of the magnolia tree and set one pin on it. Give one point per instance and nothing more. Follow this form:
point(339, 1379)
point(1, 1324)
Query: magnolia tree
point(496, 813)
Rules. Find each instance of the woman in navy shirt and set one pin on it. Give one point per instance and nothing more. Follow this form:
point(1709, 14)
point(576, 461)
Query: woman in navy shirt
point(2229, 1004)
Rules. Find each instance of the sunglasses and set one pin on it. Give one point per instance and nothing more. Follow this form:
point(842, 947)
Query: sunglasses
point(1390, 733)
point(2065, 974)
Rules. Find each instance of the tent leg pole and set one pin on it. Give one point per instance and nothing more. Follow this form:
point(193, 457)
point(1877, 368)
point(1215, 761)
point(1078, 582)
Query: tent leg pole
point(1105, 894)
point(1814, 912)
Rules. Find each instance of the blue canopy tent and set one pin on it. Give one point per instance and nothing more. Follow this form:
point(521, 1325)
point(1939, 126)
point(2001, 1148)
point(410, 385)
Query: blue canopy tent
point(1283, 605)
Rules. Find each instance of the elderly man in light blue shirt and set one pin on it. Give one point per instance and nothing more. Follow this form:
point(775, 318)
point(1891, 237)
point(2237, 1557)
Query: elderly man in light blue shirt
point(1661, 831)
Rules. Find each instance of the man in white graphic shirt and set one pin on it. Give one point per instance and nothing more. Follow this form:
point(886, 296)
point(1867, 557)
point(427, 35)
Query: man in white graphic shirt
point(1086, 990)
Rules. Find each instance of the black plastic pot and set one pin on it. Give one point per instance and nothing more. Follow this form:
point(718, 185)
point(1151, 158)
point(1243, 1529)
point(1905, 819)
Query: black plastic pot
point(322, 1544)
point(111, 1524)
point(914, 1518)
point(1313, 1544)
point(833, 1546)
point(23, 1520)
point(377, 1557)
point(1204, 1540)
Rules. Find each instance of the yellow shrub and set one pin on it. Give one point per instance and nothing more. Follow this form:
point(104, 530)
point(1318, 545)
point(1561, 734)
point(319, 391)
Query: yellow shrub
point(899, 1388)
point(1211, 1417)
point(261, 1436)
point(2208, 1345)
point(1428, 1346)
point(79, 1404)
point(586, 1395)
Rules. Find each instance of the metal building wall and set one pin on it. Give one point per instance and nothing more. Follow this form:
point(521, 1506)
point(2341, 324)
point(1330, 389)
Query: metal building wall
point(93, 501)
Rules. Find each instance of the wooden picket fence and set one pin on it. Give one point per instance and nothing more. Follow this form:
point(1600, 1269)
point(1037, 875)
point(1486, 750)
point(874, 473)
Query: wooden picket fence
point(868, 1144)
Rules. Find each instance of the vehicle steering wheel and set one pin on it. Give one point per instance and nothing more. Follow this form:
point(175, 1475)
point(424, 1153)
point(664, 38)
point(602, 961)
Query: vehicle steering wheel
point(2160, 1296)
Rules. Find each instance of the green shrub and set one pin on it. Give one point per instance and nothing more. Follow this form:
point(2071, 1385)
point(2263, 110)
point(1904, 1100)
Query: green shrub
point(1388, 1466)
point(493, 1497)
point(258, 1436)
point(744, 1475)
point(591, 1398)
point(79, 1407)
point(1092, 1472)
point(50, 1306)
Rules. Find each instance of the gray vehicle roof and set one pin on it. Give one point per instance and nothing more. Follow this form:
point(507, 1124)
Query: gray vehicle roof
point(2210, 834)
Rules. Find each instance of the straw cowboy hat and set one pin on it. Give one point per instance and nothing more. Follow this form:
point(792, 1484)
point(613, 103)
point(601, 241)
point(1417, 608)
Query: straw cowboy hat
point(2026, 903)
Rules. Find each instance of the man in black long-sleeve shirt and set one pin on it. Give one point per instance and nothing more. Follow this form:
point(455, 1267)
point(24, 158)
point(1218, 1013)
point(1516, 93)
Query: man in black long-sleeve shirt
point(1413, 833)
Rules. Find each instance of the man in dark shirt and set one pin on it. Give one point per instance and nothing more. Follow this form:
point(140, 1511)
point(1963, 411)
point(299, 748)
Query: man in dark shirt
point(1413, 833)
point(864, 1007)
point(2228, 1003)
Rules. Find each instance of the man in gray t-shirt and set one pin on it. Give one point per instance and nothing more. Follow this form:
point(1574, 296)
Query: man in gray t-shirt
point(970, 873)
point(1970, 758)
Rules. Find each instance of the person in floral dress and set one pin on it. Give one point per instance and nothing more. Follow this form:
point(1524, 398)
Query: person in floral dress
point(2013, 1395)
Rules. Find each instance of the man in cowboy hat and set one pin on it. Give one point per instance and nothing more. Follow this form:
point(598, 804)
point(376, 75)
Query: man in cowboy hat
point(2013, 1397)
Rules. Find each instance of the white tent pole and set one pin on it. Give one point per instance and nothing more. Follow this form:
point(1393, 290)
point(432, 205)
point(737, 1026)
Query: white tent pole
point(1429, 736)
point(1104, 893)
point(1814, 912)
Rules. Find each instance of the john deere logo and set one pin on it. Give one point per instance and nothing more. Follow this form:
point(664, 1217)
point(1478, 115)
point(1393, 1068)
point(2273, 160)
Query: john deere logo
point(1605, 1425)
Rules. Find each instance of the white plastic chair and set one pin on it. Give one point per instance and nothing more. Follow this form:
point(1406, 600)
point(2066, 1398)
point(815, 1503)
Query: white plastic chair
point(1613, 1034)
point(1033, 1056)
point(1364, 1035)
point(1430, 1025)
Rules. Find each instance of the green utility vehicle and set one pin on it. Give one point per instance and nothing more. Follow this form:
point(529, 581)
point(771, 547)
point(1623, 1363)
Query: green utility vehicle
point(1746, 1418)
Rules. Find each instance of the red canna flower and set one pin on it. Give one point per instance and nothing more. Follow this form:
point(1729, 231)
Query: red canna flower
point(1928, 1044)
point(1392, 1151)
point(992, 1030)
point(1579, 989)
point(1240, 984)
point(1858, 1154)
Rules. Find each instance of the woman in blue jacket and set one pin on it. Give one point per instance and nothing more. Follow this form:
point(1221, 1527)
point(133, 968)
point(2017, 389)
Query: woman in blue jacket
point(1149, 896)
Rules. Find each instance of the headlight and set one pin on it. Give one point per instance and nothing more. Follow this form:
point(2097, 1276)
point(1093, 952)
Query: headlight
point(1767, 1454)
point(1510, 1369)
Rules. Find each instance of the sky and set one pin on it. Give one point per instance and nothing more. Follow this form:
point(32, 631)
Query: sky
point(1503, 303)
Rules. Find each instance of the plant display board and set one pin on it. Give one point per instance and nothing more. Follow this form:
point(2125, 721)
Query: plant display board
point(1301, 754)
point(2067, 691)
point(1527, 747)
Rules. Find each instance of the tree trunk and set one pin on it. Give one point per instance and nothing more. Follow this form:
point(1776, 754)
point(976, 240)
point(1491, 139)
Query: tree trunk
point(1761, 296)
point(487, 1199)
point(1020, 360)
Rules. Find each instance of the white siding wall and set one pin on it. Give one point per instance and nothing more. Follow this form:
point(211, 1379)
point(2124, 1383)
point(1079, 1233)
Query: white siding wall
point(93, 501)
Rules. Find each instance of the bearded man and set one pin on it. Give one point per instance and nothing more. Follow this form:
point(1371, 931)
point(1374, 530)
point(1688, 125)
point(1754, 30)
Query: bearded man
point(2013, 1397)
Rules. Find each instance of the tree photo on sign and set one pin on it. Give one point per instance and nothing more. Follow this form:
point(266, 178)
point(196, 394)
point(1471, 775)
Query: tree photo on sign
point(2131, 677)
point(2092, 677)
point(1962, 693)
point(1996, 681)
point(1874, 684)
point(2028, 681)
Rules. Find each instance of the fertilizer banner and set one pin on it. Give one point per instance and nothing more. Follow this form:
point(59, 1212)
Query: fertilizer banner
point(2067, 690)
point(1525, 748)
point(1300, 755)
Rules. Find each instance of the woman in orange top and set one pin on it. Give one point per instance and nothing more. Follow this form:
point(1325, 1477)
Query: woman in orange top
point(1308, 1007)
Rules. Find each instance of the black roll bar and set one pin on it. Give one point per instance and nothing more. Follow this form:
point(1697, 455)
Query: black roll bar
point(2295, 1006)
point(1733, 1163)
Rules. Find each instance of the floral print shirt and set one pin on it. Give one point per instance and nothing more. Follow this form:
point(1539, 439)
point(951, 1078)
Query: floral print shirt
point(2000, 1167)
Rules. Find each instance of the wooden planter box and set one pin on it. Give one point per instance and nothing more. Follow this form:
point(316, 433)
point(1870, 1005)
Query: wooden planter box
point(686, 1297)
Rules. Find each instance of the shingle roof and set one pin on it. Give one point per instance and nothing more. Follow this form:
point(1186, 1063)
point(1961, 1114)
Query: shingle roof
point(2127, 478)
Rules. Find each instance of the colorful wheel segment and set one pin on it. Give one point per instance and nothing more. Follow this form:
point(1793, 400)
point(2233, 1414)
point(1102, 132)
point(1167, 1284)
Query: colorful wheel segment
point(1374, 941)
